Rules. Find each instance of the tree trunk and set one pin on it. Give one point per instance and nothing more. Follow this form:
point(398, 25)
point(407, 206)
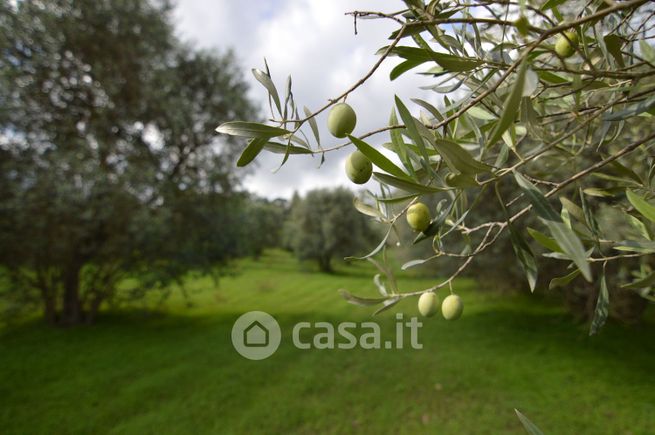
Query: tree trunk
point(72, 307)
point(324, 264)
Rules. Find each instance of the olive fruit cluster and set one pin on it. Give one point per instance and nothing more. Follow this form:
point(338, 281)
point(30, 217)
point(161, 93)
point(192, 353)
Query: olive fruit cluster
point(341, 122)
point(451, 307)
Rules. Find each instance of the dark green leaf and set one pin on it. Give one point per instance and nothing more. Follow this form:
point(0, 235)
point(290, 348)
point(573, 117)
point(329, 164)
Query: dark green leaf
point(255, 146)
point(377, 158)
point(511, 105)
point(403, 67)
point(563, 280)
point(545, 241)
point(458, 159)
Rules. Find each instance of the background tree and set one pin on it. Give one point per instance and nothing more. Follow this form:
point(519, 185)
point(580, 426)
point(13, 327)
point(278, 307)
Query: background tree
point(324, 225)
point(108, 163)
point(554, 99)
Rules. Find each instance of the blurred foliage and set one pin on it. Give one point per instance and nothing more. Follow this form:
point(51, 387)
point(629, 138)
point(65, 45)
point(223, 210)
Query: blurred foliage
point(109, 166)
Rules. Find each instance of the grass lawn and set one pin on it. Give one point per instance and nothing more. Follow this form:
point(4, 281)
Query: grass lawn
point(175, 371)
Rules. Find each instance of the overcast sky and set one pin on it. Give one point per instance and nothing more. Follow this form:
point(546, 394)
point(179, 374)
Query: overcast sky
point(314, 42)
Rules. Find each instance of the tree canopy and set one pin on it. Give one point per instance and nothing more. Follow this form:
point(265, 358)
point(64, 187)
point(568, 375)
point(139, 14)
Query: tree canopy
point(108, 161)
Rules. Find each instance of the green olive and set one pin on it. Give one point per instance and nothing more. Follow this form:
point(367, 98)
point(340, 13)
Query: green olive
point(452, 307)
point(427, 304)
point(341, 120)
point(358, 168)
point(566, 44)
point(418, 216)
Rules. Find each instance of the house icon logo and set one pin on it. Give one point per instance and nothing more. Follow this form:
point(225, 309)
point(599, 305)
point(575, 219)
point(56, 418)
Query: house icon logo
point(256, 335)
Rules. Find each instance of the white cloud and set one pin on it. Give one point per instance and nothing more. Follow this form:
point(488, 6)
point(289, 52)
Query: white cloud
point(315, 43)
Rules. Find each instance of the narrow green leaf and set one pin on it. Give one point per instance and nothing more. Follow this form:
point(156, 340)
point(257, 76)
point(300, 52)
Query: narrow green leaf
point(377, 158)
point(399, 145)
point(404, 184)
point(403, 67)
point(642, 206)
point(313, 125)
point(250, 129)
point(366, 209)
point(529, 426)
point(357, 300)
point(417, 262)
point(411, 128)
point(644, 282)
point(511, 105)
point(630, 111)
point(449, 62)
point(458, 159)
point(602, 307)
point(563, 280)
point(525, 256)
point(255, 146)
point(573, 209)
point(265, 80)
point(545, 241)
point(565, 237)
point(641, 246)
point(280, 148)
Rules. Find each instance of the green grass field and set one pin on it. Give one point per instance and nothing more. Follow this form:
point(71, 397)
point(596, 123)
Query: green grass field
point(175, 371)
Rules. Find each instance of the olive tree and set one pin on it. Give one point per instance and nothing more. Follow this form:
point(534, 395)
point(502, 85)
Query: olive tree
point(324, 225)
point(108, 163)
point(552, 98)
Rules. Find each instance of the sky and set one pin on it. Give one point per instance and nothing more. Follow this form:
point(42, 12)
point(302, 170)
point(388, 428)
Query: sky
point(314, 42)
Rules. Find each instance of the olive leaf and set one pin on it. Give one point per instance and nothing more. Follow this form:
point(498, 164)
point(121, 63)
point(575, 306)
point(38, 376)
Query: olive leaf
point(250, 129)
point(357, 300)
point(529, 426)
point(265, 80)
point(280, 148)
point(255, 146)
point(458, 159)
point(312, 124)
point(412, 130)
point(524, 254)
point(511, 105)
point(563, 280)
point(377, 158)
point(602, 307)
point(642, 206)
point(405, 184)
point(565, 237)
